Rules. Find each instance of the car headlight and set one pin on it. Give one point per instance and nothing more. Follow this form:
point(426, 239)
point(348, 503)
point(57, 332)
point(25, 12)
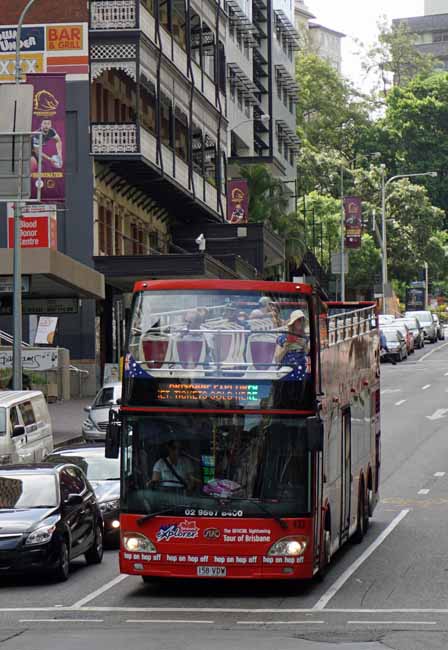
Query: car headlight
point(137, 543)
point(41, 535)
point(289, 546)
point(88, 424)
point(5, 459)
point(108, 506)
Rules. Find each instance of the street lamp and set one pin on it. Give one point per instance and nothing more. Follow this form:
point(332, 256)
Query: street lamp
point(375, 154)
point(384, 185)
point(264, 119)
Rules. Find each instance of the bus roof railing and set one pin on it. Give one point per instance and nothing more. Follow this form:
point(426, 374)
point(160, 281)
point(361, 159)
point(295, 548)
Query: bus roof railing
point(350, 324)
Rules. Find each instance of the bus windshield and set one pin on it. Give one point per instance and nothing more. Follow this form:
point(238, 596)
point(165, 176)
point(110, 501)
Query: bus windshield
point(219, 333)
point(211, 464)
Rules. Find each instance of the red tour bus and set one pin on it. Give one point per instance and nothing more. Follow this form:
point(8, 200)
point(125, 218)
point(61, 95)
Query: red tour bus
point(249, 429)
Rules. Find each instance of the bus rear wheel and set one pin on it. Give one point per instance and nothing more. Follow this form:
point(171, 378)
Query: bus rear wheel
point(360, 530)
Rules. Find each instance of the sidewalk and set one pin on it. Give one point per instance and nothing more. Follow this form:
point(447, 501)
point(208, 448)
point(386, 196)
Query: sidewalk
point(67, 418)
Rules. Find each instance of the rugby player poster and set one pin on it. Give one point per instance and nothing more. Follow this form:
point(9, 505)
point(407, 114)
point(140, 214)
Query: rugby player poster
point(49, 120)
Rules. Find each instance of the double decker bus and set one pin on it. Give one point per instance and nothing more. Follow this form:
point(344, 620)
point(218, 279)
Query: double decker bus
point(249, 429)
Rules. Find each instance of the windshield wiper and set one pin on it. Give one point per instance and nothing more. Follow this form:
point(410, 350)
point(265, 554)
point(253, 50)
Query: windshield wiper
point(149, 516)
point(259, 504)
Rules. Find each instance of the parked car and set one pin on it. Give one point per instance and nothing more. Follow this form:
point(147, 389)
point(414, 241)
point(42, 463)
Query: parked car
point(417, 331)
point(26, 434)
point(385, 319)
point(103, 475)
point(396, 343)
point(427, 322)
point(439, 328)
point(48, 516)
point(400, 324)
point(94, 427)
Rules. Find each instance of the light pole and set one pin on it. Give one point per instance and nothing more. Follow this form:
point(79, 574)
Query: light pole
point(384, 185)
point(17, 262)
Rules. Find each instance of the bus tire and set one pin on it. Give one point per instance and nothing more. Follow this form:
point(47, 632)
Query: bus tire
point(359, 532)
point(367, 510)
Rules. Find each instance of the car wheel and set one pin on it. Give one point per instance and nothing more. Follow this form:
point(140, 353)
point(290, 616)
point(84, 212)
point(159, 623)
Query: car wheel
point(95, 554)
point(62, 570)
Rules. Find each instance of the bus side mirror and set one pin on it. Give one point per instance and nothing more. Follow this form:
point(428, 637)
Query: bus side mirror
point(112, 448)
point(315, 434)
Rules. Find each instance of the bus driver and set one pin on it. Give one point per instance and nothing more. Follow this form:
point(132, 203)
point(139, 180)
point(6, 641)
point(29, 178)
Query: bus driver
point(173, 470)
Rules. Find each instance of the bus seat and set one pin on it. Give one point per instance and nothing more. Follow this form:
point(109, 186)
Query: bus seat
point(157, 350)
point(261, 350)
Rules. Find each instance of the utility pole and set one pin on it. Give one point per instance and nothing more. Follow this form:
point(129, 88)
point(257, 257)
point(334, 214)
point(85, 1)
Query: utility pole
point(17, 262)
point(342, 238)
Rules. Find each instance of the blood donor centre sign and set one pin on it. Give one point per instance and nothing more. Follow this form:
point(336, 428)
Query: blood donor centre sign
point(38, 227)
point(49, 121)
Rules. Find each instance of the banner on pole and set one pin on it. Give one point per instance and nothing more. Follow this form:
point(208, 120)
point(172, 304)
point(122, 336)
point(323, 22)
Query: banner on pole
point(237, 201)
point(353, 221)
point(49, 120)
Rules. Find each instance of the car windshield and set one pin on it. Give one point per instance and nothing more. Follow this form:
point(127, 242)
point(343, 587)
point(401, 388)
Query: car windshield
point(196, 464)
point(104, 398)
point(423, 316)
point(95, 465)
point(27, 490)
point(2, 421)
point(412, 324)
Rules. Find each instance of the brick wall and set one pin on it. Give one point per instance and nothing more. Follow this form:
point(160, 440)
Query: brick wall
point(45, 11)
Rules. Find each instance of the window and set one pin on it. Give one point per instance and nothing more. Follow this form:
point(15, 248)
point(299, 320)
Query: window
point(72, 482)
point(13, 418)
point(3, 422)
point(26, 409)
point(101, 229)
point(166, 111)
point(137, 235)
point(105, 105)
point(240, 100)
point(181, 134)
point(109, 233)
point(118, 235)
point(104, 398)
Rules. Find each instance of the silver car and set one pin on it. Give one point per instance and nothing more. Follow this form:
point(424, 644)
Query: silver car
point(427, 322)
point(94, 427)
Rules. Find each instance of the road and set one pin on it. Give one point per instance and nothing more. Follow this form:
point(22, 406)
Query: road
point(389, 592)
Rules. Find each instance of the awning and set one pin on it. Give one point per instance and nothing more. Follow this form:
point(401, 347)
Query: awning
point(55, 275)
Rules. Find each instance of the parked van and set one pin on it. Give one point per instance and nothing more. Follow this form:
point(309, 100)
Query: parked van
point(26, 434)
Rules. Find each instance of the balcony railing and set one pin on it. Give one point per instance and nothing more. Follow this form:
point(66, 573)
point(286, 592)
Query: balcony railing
point(113, 14)
point(125, 139)
point(114, 138)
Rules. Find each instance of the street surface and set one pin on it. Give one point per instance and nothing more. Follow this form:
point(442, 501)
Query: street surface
point(67, 418)
point(389, 592)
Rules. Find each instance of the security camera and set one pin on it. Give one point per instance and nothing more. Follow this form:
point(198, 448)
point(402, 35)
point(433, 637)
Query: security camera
point(201, 241)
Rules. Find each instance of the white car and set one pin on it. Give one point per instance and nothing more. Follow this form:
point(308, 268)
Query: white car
point(95, 426)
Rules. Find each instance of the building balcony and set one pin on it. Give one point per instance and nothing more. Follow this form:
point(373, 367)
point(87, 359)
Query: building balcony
point(134, 153)
point(114, 14)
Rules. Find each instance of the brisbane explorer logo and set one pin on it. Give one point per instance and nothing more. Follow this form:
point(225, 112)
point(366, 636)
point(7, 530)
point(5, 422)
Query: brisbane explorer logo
point(182, 530)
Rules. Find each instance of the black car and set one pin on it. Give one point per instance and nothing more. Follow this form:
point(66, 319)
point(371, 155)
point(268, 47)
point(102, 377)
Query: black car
point(104, 476)
point(48, 516)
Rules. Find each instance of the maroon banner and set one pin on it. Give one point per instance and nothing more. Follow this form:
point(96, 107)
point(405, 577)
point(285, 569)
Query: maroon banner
point(237, 201)
point(353, 221)
point(49, 119)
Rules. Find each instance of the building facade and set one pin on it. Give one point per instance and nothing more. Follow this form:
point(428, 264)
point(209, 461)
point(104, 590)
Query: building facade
point(431, 30)
point(323, 41)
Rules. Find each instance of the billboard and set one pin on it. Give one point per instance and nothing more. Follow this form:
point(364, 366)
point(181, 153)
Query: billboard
point(38, 226)
point(46, 48)
point(353, 221)
point(49, 119)
point(237, 201)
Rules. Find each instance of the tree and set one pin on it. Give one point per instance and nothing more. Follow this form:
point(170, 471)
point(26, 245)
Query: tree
point(268, 197)
point(394, 59)
point(416, 122)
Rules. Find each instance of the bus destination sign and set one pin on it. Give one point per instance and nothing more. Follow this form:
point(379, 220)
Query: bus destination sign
point(236, 393)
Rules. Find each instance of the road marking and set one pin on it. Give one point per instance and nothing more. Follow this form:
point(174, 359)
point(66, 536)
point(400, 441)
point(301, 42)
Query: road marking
point(61, 620)
point(446, 374)
point(173, 621)
point(439, 474)
point(426, 386)
point(402, 401)
point(391, 622)
point(437, 415)
point(388, 391)
point(215, 610)
point(340, 582)
point(428, 354)
point(423, 491)
point(98, 592)
point(280, 622)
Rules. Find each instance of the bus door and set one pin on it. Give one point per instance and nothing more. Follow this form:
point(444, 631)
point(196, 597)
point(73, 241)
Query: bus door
point(318, 503)
point(346, 473)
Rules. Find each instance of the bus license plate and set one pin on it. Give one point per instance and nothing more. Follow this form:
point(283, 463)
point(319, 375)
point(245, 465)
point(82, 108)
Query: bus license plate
point(212, 571)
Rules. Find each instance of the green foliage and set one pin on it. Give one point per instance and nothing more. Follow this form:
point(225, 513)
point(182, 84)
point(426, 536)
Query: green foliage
point(393, 59)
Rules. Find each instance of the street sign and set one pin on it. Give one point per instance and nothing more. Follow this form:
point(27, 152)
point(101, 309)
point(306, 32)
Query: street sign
point(336, 263)
point(15, 150)
point(6, 283)
point(40, 306)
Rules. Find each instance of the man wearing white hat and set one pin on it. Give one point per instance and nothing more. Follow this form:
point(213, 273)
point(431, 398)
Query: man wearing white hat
point(292, 347)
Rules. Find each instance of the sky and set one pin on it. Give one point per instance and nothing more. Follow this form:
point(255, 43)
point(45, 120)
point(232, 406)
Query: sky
point(358, 19)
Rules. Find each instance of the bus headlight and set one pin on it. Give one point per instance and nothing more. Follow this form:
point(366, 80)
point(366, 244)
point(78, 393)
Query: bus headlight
point(137, 543)
point(291, 546)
